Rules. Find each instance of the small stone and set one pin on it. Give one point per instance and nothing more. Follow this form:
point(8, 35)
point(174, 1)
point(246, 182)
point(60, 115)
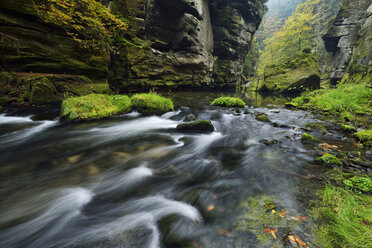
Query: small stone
point(190, 118)
point(269, 142)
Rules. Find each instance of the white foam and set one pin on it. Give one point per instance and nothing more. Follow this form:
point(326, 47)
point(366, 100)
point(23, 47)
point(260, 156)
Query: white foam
point(14, 119)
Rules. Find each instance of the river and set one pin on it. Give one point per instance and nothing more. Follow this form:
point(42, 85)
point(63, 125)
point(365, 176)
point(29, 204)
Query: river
point(134, 181)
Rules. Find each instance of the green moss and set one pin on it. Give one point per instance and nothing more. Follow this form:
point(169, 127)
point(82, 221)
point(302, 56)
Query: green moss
point(263, 118)
point(201, 126)
point(94, 106)
point(364, 136)
point(317, 126)
point(359, 183)
point(229, 102)
point(151, 103)
point(307, 137)
point(343, 219)
point(348, 128)
point(347, 116)
point(329, 159)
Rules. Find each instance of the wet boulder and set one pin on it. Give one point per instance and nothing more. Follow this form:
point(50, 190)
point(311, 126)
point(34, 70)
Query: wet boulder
point(262, 117)
point(269, 142)
point(197, 126)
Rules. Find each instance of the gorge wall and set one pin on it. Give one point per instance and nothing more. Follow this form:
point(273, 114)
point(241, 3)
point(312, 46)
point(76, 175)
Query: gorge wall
point(349, 38)
point(192, 44)
point(171, 44)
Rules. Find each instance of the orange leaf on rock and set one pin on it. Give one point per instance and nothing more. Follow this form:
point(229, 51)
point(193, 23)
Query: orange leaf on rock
point(210, 208)
point(281, 214)
point(302, 218)
point(223, 232)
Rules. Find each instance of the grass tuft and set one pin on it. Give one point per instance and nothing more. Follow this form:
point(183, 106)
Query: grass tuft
point(344, 219)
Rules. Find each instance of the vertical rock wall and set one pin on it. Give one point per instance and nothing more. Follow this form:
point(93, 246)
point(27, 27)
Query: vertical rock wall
point(190, 44)
point(349, 38)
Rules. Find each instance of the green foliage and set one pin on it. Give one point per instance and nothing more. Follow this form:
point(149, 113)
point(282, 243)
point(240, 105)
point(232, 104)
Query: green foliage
point(89, 22)
point(94, 106)
point(229, 102)
point(364, 135)
point(359, 184)
point(344, 218)
point(151, 103)
point(308, 137)
point(329, 159)
point(347, 97)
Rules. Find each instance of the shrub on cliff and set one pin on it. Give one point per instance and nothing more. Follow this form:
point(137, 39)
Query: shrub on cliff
point(94, 106)
point(229, 102)
point(151, 103)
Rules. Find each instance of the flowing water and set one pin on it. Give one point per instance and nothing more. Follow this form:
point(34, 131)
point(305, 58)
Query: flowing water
point(134, 181)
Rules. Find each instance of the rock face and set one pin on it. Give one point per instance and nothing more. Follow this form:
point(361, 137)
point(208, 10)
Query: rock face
point(191, 44)
point(172, 44)
point(40, 63)
point(349, 39)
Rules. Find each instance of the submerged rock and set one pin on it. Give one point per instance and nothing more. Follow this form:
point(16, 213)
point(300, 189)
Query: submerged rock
point(269, 142)
point(198, 126)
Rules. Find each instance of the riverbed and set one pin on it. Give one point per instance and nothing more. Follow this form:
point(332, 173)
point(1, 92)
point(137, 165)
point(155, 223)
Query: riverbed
point(135, 181)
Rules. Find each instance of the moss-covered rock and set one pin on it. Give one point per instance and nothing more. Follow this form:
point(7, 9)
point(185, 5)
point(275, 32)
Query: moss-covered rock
point(196, 126)
point(364, 136)
point(229, 102)
point(94, 106)
point(329, 159)
point(262, 117)
point(43, 92)
point(293, 76)
point(348, 128)
point(316, 126)
point(308, 138)
point(151, 104)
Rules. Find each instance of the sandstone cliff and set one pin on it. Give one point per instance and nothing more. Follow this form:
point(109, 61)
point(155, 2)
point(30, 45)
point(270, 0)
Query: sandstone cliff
point(192, 43)
point(350, 40)
point(171, 44)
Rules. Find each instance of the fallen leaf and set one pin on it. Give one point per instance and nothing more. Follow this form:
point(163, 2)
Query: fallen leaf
point(365, 222)
point(272, 231)
point(281, 214)
point(300, 242)
point(302, 218)
point(271, 206)
point(273, 211)
point(223, 232)
point(210, 208)
point(336, 209)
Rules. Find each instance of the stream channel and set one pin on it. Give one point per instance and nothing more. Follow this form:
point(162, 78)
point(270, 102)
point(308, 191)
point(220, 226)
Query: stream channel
point(135, 181)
